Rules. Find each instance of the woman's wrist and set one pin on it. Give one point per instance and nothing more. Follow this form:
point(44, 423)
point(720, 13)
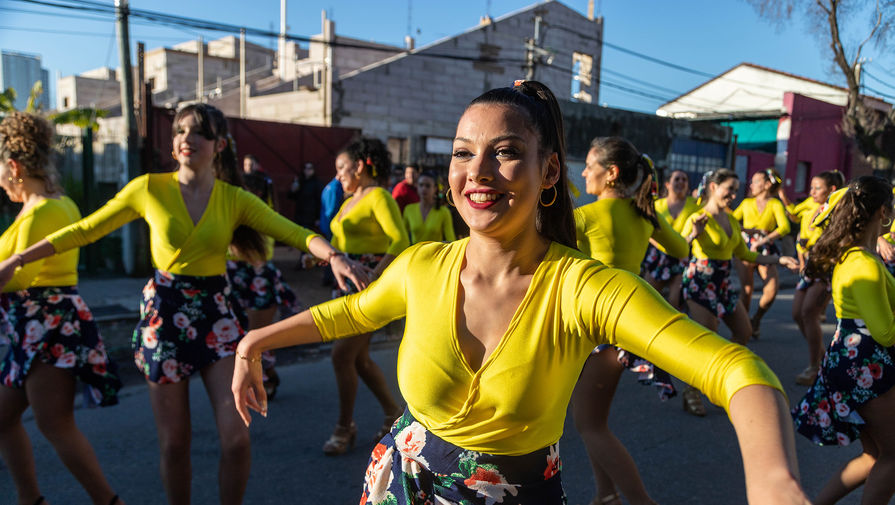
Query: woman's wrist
point(333, 254)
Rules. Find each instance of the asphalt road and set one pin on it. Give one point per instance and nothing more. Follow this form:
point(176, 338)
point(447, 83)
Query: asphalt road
point(683, 459)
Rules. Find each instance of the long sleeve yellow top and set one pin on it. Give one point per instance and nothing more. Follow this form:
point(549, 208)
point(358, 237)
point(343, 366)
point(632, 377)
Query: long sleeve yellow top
point(178, 245)
point(864, 289)
point(437, 227)
point(31, 227)
point(804, 211)
point(612, 231)
point(676, 222)
point(372, 226)
point(771, 219)
point(516, 401)
point(714, 243)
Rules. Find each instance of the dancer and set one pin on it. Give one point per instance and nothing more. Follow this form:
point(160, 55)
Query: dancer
point(53, 336)
point(616, 230)
point(500, 324)
point(764, 220)
point(812, 294)
point(369, 228)
point(428, 220)
point(853, 396)
point(709, 285)
point(188, 322)
point(659, 269)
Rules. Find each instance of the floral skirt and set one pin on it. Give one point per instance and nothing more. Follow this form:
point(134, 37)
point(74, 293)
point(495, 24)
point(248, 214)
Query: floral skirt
point(186, 324)
point(367, 260)
point(260, 287)
point(712, 284)
point(806, 282)
point(661, 266)
point(765, 250)
point(412, 466)
point(648, 374)
point(55, 326)
point(855, 370)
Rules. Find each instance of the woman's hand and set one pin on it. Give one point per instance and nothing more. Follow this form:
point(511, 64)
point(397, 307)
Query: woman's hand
point(885, 249)
point(8, 269)
point(345, 268)
point(248, 385)
point(790, 263)
point(699, 223)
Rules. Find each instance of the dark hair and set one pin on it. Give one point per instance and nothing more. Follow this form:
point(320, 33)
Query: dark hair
point(634, 172)
point(718, 176)
point(431, 175)
point(671, 176)
point(848, 222)
point(28, 139)
point(375, 156)
point(414, 166)
point(538, 103)
point(250, 157)
point(832, 178)
point(248, 243)
point(773, 177)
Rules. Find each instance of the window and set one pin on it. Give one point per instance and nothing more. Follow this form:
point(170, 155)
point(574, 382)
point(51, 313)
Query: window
point(696, 157)
point(803, 168)
point(65, 102)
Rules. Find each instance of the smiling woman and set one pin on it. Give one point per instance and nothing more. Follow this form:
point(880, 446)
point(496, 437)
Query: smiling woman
point(189, 319)
point(499, 325)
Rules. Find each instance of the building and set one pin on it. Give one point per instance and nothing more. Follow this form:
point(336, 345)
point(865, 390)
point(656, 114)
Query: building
point(778, 119)
point(412, 97)
point(20, 71)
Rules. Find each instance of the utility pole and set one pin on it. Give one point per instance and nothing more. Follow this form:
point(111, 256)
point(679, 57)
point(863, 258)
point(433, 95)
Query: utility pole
point(534, 53)
point(200, 82)
point(242, 73)
point(132, 243)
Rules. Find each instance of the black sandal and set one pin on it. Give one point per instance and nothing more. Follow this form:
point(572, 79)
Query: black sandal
point(40, 499)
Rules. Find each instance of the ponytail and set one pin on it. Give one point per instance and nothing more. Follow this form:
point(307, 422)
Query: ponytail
point(635, 172)
point(246, 242)
point(376, 158)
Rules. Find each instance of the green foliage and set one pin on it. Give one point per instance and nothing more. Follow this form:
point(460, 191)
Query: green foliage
point(82, 118)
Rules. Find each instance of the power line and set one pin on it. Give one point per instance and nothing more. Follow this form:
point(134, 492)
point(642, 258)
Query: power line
point(877, 79)
point(880, 93)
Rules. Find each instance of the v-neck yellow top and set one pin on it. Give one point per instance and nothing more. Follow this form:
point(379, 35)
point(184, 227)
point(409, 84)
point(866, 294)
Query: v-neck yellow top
point(772, 218)
point(437, 227)
point(864, 289)
point(676, 222)
point(371, 226)
point(177, 244)
point(516, 401)
point(31, 227)
point(714, 243)
point(805, 211)
point(612, 231)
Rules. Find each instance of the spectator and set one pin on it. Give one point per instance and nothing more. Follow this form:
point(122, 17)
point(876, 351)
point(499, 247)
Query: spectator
point(330, 201)
point(405, 191)
point(306, 190)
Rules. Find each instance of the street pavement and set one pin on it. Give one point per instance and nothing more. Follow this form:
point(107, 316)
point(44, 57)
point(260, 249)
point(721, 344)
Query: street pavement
point(682, 459)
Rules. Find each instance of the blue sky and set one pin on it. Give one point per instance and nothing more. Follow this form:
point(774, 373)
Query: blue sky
point(705, 35)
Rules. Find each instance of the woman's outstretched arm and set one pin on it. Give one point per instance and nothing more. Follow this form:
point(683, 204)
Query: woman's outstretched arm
point(38, 251)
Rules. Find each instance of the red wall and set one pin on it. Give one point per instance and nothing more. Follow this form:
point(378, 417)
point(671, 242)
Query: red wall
point(815, 137)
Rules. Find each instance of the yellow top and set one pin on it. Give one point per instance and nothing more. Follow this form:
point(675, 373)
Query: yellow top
point(864, 289)
point(516, 401)
point(804, 211)
point(714, 243)
point(437, 227)
point(31, 227)
point(662, 211)
point(612, 231)
point(373, 225)
point(178, 245)
point(771, 219)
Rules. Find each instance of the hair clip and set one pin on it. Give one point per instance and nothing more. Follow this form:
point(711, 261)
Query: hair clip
point(772, 176)
point(518, 82)
point(369, 161)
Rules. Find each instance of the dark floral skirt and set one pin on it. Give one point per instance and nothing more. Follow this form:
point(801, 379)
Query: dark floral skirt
point(55, 326)
point(261, 287)
point(412, 466)
point(765, 250)
point(648, 374)
point(712, 284)
point(855, 370)
point(661, 266)
point(806, 282)
point(187, 323)
point(368, 260)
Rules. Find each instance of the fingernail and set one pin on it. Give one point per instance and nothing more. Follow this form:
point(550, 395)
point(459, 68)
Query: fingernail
point(264, 413)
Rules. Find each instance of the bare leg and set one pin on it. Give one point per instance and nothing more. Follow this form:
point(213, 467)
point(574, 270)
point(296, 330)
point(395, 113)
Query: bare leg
point(260, 318)
point(771, 280)
point(674, 292)
point(236, 453)
point(851, 476)
point(15, 447)
point(351, 358)
point(171, 407)
point(591, 400)
point(51, 392)
point(877, 413)
point(738, 322)
point(746, 271)
point(373, 377)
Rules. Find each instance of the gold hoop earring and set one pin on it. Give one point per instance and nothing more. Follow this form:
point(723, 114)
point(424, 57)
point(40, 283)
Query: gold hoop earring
point(447, 196)
point(173, 154)
point(555, 194)
point(887, 224)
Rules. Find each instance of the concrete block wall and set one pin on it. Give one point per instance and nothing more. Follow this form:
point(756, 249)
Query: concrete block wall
point(416, 95)
point(301, 106)
point(76, 91)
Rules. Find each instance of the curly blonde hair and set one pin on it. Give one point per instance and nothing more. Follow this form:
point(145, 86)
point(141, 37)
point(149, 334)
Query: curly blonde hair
point(28, 139)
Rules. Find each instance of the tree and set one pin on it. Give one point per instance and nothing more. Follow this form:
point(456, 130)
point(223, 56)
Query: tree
point(872, 129)
point(8, 98)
